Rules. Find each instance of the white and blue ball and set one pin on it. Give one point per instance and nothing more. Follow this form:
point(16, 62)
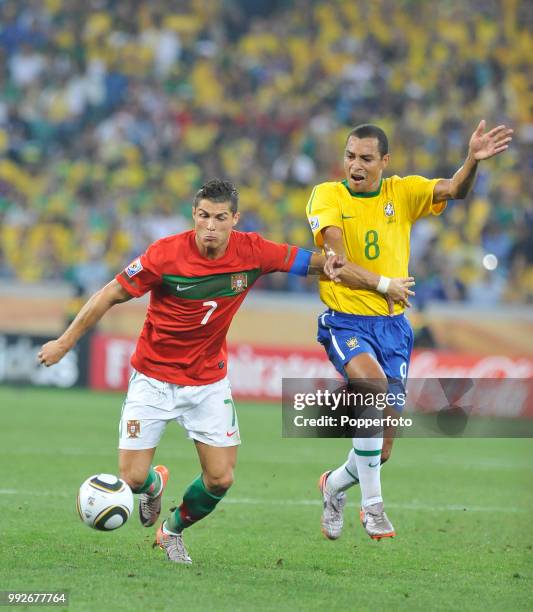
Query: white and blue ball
point(104, 502)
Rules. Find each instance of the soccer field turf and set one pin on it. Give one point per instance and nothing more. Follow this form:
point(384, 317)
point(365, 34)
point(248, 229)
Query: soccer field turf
point(462, 510)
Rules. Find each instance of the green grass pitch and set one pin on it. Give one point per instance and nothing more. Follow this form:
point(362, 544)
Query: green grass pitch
point(462, 510)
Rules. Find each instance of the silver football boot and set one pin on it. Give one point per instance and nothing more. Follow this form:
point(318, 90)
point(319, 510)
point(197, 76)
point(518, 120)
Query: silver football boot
point(376, 522)
point(332, 519)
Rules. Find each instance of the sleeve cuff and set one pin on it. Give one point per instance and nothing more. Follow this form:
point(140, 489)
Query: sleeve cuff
point(126, 282)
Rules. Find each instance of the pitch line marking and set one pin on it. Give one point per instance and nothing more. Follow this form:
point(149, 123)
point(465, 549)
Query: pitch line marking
point(249, 501)
point(398, 505)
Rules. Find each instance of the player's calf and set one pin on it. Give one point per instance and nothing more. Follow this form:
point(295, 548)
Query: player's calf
point(197, 503)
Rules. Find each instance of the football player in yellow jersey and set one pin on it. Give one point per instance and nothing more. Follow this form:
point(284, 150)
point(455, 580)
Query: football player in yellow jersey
point(367, 219)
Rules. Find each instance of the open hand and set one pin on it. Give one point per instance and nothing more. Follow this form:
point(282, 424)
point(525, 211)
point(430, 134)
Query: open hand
point(484, 146)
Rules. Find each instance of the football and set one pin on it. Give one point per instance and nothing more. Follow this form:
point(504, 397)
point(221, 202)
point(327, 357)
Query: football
point(104, 502)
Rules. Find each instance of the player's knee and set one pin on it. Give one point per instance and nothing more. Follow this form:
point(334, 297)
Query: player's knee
point(219, 484)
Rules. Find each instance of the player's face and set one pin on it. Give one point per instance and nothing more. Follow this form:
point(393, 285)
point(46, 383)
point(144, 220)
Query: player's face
point(363, 164)
point(213, 222)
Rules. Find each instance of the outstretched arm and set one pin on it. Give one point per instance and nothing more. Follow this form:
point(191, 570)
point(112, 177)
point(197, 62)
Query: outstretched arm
point(481, 146)
point(338, 269)
point(356, 276)
point(92, 311)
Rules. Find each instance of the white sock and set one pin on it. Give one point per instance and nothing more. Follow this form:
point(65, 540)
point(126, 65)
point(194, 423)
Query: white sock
point(367, 452)
point(167, 530)
point(344, 476)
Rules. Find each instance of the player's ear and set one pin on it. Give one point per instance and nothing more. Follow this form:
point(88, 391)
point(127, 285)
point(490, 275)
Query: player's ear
point(236, 218)
point(385, 159)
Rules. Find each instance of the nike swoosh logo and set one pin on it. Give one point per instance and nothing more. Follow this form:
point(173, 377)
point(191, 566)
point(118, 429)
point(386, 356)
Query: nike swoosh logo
point(348, 216)
point(374, 464)
point(231, 434)
point(178, 288)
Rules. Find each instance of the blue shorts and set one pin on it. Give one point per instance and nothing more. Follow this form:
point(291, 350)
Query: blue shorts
point(388, 339)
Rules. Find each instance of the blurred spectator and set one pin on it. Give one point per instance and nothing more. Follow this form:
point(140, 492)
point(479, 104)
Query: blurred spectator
point(436, 280)
point(113, 113)
point(497, 240)
point(487, 290)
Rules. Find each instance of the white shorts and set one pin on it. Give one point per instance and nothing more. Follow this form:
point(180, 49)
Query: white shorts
point(207, 412)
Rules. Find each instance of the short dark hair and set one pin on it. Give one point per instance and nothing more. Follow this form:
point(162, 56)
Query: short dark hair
point(367, 130)
point(218, 190)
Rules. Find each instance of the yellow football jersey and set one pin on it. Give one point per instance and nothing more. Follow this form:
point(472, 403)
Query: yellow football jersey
point(376, 229)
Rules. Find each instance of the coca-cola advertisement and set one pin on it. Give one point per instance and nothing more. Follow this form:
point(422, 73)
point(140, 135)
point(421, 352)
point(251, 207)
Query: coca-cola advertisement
point(256, 372)
point(453, 364)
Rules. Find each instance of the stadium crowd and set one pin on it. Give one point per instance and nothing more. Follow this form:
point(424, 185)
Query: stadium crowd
point(113, 112)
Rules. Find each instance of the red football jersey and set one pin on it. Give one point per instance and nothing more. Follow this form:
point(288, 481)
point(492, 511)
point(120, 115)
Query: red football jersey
point(193, 301)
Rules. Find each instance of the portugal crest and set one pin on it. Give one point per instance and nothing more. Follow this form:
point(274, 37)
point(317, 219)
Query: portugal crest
point(239, 282)
point(133, 428)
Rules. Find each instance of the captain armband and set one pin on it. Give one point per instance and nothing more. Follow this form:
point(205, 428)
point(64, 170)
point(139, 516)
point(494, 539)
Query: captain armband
point(300, 265)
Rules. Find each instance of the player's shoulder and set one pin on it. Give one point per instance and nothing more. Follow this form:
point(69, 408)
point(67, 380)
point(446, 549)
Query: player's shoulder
point(247, 240)
point(328, 186)
point(249, 246)
point(325, 194)
point(409, 181)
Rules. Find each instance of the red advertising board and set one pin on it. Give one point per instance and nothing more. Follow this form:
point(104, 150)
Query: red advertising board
point(256, 372)
point(109, 362)
point(453, 364)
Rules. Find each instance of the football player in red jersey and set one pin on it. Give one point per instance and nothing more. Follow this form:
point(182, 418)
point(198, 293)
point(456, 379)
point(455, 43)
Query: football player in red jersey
point(197, 281)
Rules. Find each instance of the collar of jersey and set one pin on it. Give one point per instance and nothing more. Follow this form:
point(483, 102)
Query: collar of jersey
point(368, 194)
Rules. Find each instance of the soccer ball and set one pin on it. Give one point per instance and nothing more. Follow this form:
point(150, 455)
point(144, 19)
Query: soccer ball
point(104, 502)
